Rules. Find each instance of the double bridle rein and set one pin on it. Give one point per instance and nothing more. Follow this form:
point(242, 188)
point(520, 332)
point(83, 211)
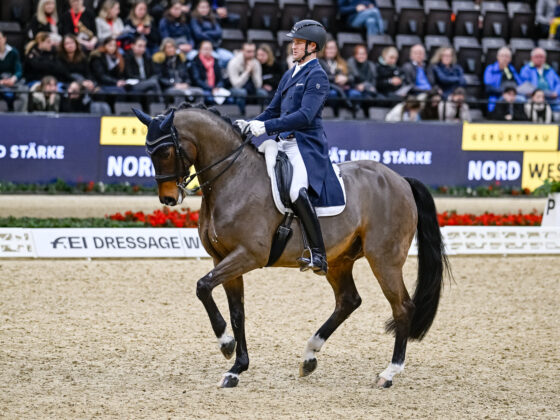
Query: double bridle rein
point(181, 158)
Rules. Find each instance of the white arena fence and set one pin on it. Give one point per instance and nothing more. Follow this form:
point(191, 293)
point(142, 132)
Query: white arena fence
point(181, 243)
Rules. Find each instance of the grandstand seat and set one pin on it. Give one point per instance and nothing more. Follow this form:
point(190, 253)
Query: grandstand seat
point(292, 11)
point(438, 17)
point(264, 14)
point(347, 41)
point(283, 41)
point(411, 17)
point(403, 43)
point(473, 86)
point(16, 11)
point(496, 22)
point(376, 44)
point(466, 18)
point(490, 47)
point(241, 8)
point(433, 42)
point(378, 113)
point(125, 108)
point(262, 36)
point(228, 110)
point(387, 11)
point(14, 34)
point(325, 12)
point(521, 51)
point(552, 48)
point(476, 115)
point(232, 39)
point(522, 20)
point(469, 53)
point(157, 108)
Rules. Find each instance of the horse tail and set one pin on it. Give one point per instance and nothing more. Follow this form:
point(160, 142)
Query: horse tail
point(432, 261)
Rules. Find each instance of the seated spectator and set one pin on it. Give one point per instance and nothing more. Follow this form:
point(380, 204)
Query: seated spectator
point(108, 23)
point(80, 22)
point(289, 57)
point(206, 74)
point(73, 58)
point(139, 22)
point(75, 99)
point(541, 75)
point(414, 70)
point(140, 73)
point(10, 74)
point(409, 110)
point(362, 14)
point(499, 75)
point(445, 72)
point(41, 60)
point(205, 27)
point(44, 96)
point(364, 74)
point(544, 16)
point(107, 69)
point(271, 71)
point(390, 79)
point(507, 108)
point(172, 71)
point(554, 22)
point(537, 110)
point(45, 20)
point(224, 16)
point(245, 75)
point(431, 101)
point(174, 25)
point(455, 109)
point(340, 80)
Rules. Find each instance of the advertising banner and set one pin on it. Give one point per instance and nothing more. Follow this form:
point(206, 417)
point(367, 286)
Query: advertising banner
point(510, 137)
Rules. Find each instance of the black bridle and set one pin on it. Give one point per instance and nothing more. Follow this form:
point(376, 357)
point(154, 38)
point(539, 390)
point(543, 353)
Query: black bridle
point(180, 158)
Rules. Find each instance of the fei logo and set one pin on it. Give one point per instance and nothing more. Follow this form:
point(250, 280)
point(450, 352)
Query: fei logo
point(69, 242)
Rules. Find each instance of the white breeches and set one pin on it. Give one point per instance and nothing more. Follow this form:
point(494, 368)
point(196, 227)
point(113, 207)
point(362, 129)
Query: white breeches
point(299, 179)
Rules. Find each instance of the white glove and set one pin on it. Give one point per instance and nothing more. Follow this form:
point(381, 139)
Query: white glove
point(270, 150)
point(257, 128)
point(242, 124)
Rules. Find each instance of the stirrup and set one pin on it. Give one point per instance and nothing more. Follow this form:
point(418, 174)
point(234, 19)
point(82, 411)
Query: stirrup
point(305, 261)
point(317, 262)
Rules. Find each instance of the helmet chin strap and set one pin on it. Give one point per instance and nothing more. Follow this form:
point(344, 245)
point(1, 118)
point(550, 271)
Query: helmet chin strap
point(306, 54)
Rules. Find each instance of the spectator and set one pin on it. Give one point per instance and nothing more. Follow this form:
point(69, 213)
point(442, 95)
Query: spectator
point(271, 71)
point(107, 68)
point(45, 20)
point(206, 74)
point(455, 109)
point(289, 57)
point(44, 95)
point(541, 75)
point(507, 109)
point(390, 79)
point(499, 75)
point(554, 22)
point(245, 75)
point(537, 110)
point(10, 74)
point(545, 16)
point(224, 16)
point(139, 22)
point(140, 74)
point(80, 22)
point(432, 100)
point(108, 23)
point(445, 72)
point(174, 25)
point(409, 110)
point(205, 27)
point(362, 14)
point(415, 70)
point(75, 99)
point(41, 60)
point(340, 80)
point(172, 71)
point(364, 74)
point(73, 58)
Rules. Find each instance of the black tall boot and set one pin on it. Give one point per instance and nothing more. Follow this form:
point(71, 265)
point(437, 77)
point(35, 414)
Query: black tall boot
point(317, 261)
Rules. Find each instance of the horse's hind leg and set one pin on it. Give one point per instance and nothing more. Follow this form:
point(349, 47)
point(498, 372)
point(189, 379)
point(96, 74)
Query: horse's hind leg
point(347, 301)
point(391, 280)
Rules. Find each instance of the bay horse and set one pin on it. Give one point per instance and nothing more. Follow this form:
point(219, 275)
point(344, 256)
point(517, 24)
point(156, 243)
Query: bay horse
point(238, 219)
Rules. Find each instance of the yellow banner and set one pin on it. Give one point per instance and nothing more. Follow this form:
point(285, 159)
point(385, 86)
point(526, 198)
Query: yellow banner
point(538, 166)
point(510, 137)
point(122, 131)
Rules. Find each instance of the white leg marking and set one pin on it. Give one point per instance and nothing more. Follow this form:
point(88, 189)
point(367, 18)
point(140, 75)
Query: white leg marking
point(225, 338)
point(314, 345)
point(391, 371)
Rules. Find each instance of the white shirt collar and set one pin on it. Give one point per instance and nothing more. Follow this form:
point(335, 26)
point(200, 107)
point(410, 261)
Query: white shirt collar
point(298, 66)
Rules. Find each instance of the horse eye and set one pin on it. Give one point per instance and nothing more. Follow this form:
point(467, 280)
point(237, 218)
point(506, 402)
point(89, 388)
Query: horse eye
point(164, 153)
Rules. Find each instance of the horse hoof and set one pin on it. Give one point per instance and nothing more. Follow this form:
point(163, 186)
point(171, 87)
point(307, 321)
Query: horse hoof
point(229, 380)
point(228, 348)
point(383, 383)
point(307, 367)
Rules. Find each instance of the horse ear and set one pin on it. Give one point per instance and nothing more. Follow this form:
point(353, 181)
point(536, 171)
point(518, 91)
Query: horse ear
point(165, 125)
point(145, 118)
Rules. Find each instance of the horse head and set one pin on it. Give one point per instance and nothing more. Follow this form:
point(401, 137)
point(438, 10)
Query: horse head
point(171, 162)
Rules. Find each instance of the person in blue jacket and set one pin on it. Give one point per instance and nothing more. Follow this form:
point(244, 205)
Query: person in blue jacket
point(294, 117)
point(174, 25)
point(362, 14)
point(542, 76)
point(499, 75)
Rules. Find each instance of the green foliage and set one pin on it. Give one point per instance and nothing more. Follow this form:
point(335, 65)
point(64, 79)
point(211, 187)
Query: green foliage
point(549, 186)
point(67, 222)
point(62, 187)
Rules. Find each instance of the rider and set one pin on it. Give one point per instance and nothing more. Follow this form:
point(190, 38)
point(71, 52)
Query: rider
point(294, 116)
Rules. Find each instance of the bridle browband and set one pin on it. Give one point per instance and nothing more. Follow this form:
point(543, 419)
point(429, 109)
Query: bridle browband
point(180, 158)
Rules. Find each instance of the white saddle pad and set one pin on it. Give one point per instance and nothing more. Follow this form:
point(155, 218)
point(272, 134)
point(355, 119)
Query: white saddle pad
point(321, 211)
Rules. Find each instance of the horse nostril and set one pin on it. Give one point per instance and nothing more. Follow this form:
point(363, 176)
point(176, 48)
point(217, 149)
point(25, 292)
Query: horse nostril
point(169, 201)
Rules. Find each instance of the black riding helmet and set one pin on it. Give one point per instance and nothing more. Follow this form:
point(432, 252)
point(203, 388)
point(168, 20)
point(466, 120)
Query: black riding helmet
point(310, 31)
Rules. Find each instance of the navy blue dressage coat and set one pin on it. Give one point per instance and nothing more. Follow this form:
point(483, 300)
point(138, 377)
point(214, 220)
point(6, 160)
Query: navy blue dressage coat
point(296, 110)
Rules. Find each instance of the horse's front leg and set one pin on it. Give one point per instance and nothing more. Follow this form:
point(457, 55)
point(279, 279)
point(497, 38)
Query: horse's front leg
point(227, 270)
